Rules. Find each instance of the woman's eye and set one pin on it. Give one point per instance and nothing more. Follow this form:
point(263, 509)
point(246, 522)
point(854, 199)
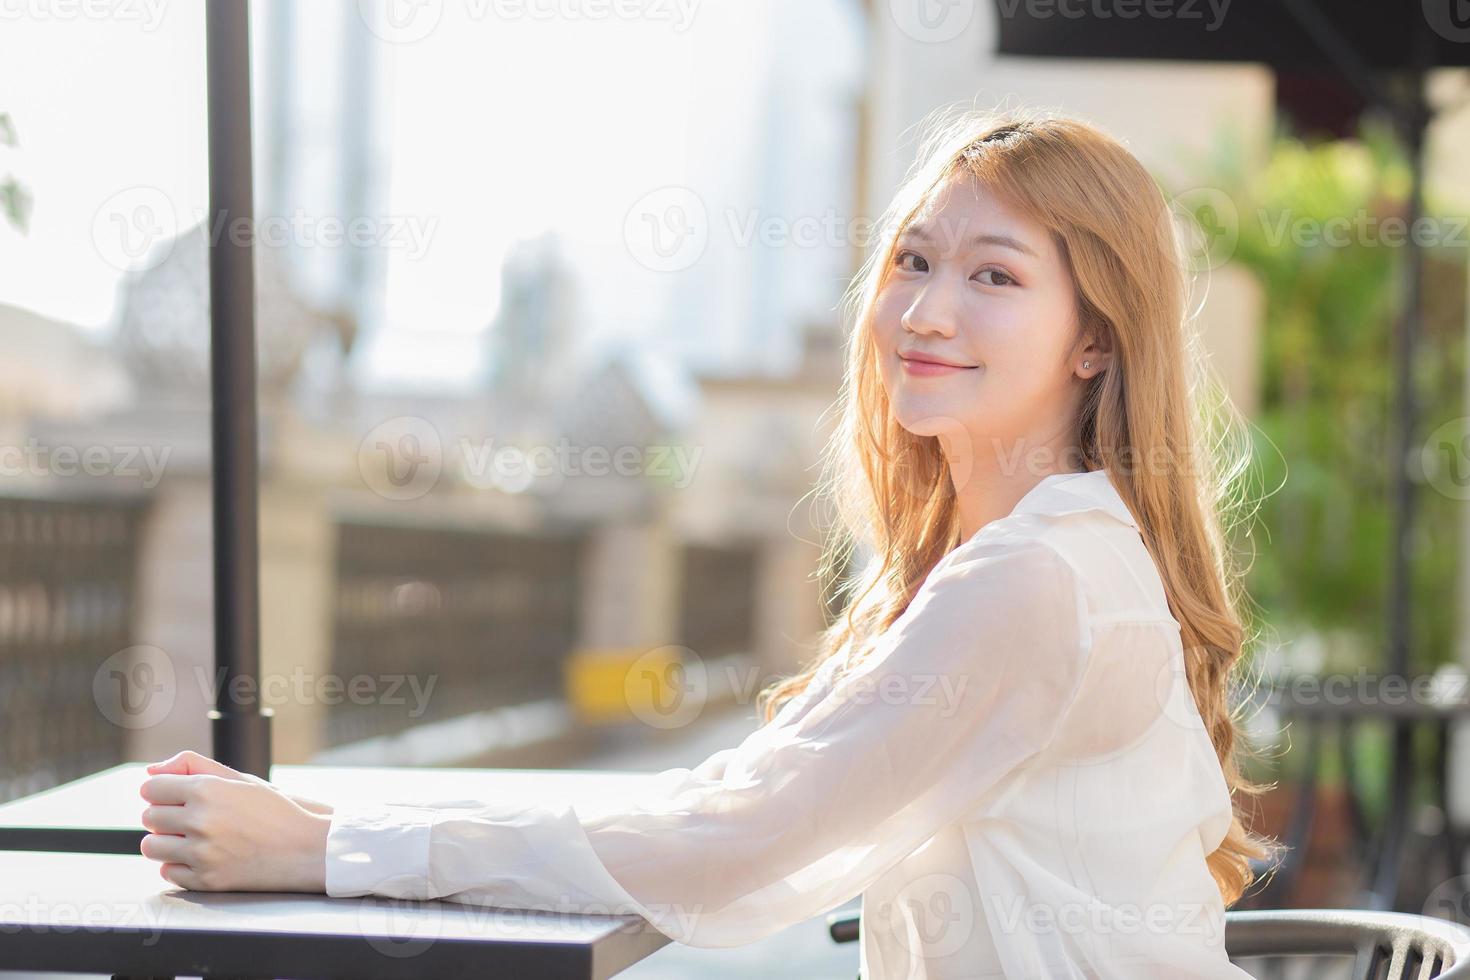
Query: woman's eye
point(1005, 277)
point(922, 266)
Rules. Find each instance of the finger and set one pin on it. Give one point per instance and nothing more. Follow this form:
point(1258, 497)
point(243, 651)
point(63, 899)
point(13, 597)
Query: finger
point(165, 818)
point(179, 763)
point(181, 875)
point(169, 788)
point(189, 763)
point(165, 847)
point(174, 763)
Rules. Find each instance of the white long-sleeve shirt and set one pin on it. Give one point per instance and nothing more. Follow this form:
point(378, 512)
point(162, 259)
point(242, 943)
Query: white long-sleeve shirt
point(1015, 779)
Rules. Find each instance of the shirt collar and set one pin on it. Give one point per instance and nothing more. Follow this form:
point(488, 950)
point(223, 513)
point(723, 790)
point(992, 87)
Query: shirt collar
point(1069, 493)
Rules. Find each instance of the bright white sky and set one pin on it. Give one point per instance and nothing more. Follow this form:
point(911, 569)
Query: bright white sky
point(499, 129)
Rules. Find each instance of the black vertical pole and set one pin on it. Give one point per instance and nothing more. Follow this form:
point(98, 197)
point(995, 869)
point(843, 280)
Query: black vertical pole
point(241, 729)
point(1414, 122)
point(1413, 125)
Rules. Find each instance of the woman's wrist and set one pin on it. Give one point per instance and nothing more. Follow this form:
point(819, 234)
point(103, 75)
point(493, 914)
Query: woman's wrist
point(313, 806)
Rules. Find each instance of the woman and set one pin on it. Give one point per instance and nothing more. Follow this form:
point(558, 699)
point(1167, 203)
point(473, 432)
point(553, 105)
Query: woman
point(1016, 743)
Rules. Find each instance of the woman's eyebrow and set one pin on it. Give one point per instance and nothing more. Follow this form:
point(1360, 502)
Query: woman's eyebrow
point(920, 233)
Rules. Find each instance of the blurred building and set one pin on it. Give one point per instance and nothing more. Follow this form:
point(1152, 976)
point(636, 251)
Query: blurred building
point(488, 579)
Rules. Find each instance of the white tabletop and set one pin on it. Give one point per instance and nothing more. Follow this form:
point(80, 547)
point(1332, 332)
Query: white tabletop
point(113, 913)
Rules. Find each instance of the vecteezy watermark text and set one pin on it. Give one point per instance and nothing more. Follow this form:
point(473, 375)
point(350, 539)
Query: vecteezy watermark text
point(134, 229)
point(35, 459)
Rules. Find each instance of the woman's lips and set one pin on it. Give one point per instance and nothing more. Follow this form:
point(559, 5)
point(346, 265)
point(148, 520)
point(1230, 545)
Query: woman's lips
point(927, 369)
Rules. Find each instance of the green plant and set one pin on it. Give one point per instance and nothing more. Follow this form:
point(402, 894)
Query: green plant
point(15, 200)
point(1315, 227)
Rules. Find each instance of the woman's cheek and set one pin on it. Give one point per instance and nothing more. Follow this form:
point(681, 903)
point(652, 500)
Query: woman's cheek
point(887, 322)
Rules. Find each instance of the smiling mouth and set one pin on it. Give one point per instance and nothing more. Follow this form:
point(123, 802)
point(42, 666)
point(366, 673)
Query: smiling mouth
point(923, 368)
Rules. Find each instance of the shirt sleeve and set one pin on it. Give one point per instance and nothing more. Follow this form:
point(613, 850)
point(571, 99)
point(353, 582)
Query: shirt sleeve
point(965, 687)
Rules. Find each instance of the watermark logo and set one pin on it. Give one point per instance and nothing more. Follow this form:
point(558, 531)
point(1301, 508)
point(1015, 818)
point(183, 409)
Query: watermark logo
point(515, 469)
point(401, 21)
point(667, 687)
point(401, 458)
point(1365, 687)
point(1450, 900)
point(932, 21)
point(145, 918)
point(134, 229)
point(147, 14)
point(1362, 228)
point(934, 915)
point(1210, 14)
point(399, 928)
point(410, 691)
point(135, 687)
point(1176, 697)
point(1445, 459)
point(1207, 226)
point(410, 21)
point(1450, 19)
point(36, 459)
point(667, 230)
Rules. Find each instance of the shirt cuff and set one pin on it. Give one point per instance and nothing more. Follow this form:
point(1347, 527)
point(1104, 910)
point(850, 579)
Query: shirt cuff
point(379, 850)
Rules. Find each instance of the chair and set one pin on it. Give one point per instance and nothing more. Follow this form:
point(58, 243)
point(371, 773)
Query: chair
point(1386, 945)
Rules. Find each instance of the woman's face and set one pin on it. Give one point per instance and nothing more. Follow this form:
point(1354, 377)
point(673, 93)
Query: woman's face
point(981, 286)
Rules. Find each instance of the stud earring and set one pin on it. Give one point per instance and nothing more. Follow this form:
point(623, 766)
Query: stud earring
point(1087, 364)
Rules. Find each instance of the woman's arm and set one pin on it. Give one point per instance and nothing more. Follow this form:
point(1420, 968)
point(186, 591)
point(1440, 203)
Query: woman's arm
point(966, 686)
point(188, 763)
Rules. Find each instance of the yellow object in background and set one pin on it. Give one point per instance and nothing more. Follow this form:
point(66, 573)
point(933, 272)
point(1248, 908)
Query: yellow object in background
point(614, 684)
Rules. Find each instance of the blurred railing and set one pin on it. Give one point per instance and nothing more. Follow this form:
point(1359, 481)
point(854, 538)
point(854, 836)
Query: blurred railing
point(1408, 851)
point(719, 592)
point(68, 570)
point(486, 617)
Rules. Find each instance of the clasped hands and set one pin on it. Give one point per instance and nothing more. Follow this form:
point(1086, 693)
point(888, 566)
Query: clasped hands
point(214, 828)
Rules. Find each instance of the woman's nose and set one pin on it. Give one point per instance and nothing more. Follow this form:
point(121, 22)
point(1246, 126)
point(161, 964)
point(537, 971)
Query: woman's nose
point(935, 310)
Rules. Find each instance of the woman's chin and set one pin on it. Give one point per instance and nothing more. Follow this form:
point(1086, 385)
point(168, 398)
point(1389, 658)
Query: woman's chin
point(931, 423)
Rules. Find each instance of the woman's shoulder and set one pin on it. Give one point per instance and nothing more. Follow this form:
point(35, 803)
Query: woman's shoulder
point(1005, 546)
point(1011, 569)
point(1088, 551)
point(1021, 541)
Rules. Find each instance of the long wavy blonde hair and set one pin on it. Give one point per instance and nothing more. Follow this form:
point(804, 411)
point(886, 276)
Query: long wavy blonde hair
point(892, 493)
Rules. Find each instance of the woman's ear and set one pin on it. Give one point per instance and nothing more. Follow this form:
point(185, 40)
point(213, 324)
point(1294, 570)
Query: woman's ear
point(1094, 356)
